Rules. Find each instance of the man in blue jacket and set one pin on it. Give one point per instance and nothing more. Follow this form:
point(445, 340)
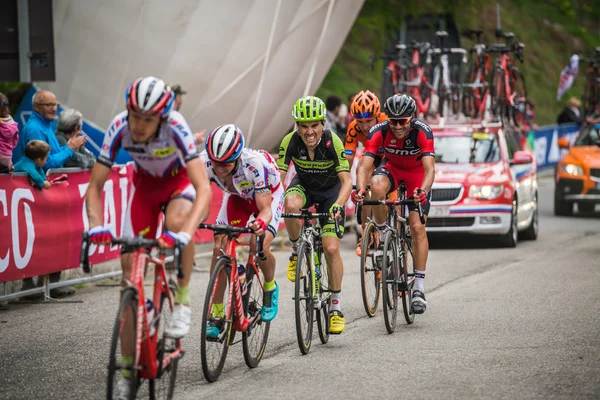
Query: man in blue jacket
point(40, 127)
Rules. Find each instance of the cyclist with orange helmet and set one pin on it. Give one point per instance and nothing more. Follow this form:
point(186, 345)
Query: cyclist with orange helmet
point(366, 110)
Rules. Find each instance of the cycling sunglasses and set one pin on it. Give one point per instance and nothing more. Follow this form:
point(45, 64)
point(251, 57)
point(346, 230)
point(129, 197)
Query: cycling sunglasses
point(223, 164)
point(365, 115)
point(400, 121)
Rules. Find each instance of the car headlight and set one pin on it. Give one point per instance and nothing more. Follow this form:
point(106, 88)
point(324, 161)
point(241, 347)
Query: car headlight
point(571, 169)
point(485, 192)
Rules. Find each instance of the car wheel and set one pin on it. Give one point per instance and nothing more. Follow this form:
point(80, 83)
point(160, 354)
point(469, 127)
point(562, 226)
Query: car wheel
point(511, 237)
point(586, 207)
point(531, 233)
point(561, 206)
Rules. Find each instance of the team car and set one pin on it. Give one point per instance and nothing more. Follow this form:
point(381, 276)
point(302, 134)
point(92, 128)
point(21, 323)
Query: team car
point(485, 184)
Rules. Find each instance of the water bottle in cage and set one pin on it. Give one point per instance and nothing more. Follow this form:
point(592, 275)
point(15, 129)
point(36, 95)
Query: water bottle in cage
point(151, 314)
point(242, 278)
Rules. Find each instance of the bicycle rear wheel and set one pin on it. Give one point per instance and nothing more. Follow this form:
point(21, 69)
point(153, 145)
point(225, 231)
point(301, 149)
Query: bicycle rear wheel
point(254, 341)
point(214, 349)
point(370, 277)
point(124, 337)
point(389, 287)
point(407, 278)
point(164, 388)
point(303, 302)
point(323, 311)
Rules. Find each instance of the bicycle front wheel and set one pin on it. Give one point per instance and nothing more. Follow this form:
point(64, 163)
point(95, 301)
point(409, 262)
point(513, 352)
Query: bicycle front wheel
point(407, 278)
point(303, 302)
point(389, 275)
point(323, 311)
point(370, 268)
point(164, 388)
point(216, 327)
point(254, 341)
point(122, 360)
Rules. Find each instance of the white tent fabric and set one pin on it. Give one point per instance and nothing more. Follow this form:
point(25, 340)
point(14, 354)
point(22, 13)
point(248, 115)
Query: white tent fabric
point(222, 52)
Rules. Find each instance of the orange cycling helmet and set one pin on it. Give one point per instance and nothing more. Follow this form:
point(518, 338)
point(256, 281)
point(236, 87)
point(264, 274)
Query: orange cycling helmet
point(365, 105)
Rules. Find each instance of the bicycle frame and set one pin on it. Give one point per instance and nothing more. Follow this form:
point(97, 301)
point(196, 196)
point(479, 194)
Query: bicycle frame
point(148, 365)
point(240, 322)
point(416, 75)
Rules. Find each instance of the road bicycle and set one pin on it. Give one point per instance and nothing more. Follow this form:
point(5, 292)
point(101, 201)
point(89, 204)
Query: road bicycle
point(392, 258)
point(476, 92)
point(311, 291)
point(240, 312)
point(139, 326)
point(508, 83)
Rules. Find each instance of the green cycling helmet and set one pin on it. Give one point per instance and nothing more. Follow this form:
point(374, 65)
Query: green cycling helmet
point(308, 109)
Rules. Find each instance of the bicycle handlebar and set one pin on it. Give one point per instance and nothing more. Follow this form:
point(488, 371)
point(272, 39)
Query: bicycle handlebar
point(138, 242)
point(232, 231)
point(390, 204)
point(305, 215)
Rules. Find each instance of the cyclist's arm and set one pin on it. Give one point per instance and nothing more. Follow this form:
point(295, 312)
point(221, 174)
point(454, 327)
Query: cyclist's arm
point(263, 203)
point(351, 143)
point(201, 206)
point(346, 188)
point(284, 157)
point(425, 142)
point(362, 173)
point(93, 195)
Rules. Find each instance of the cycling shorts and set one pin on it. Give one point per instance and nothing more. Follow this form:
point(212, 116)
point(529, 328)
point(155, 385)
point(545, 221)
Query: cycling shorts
point(413, 178)
point(236, 211)
point(149, 197)
point(325, 200)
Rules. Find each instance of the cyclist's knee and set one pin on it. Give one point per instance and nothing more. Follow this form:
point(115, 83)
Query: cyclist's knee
point(417, 230)
point(331, 247)
point(293, 203)
point(379, 187)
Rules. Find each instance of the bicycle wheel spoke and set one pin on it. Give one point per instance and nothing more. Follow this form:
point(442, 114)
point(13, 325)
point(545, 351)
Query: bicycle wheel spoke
point(255, 340)
point(216, 321)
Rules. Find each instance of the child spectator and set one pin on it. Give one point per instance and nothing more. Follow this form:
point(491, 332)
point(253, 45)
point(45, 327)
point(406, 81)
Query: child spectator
point(9, 136)
point(36, 154)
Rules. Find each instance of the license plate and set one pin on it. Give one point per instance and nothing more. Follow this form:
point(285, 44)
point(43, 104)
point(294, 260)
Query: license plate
point(439, 211)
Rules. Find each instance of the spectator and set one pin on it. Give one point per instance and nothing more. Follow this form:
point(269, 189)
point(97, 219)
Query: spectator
point(39, 127)
point(9, 136)
point(333, 105)
point(69, 125)
point(593, 117)
point(179, 92)
point(571, 112)
point(36, 154)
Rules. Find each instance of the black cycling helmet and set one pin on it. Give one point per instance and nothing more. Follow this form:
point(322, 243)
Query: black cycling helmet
point(400, 105)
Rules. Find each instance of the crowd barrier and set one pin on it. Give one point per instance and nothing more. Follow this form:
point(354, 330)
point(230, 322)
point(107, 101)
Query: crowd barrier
point(547, 152)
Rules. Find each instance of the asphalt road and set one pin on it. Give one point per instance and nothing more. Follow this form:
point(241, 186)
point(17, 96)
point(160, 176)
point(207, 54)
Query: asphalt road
point(501, 323)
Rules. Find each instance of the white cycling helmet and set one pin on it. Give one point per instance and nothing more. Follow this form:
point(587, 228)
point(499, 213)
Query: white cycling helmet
point(225, 143)
point(149, 96)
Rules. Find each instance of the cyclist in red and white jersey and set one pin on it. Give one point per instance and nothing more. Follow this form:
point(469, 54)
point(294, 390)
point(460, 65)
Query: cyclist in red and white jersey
point(253, 197)
point(168, 175)
point(409, 157)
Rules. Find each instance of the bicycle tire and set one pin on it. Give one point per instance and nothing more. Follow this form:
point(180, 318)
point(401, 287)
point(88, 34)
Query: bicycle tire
point(127, 309)
point(221, 273)
point(389, 276)
point(369, 248)
point(407, 266)
point(164, 344)
point(499, 95)
point(323, 311)
point(254, 342)
point(303, 293)
point(517, 86)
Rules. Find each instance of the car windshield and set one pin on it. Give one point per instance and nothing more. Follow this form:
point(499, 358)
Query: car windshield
point(477, 148)
point(588, 137)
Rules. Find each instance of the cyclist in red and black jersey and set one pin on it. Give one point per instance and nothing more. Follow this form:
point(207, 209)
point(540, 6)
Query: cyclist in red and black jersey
point(409, 157)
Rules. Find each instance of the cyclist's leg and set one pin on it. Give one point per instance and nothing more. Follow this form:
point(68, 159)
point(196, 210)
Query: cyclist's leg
point(331, 248)
point(296, 197)
point(181, 197)
point(420, 242)
point(382, 182)
point(141, 217)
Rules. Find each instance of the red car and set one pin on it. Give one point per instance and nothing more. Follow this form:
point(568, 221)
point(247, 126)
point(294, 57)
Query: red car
point(485, 184)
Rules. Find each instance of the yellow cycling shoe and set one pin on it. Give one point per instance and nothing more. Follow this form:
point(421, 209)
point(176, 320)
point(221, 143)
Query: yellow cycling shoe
point(291, 273)
point(336, 322)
